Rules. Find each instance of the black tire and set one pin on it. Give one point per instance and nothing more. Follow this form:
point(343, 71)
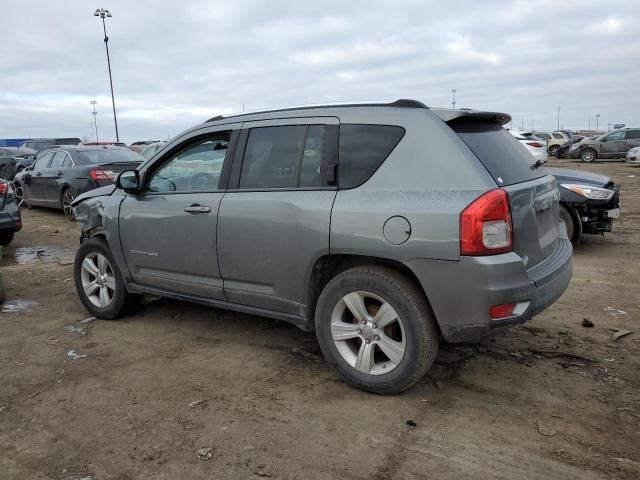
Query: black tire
point(6, 238)
point(570, 218)
point(122, 301)
point(420, 331)
point(588, 155)
point(553, 150)
point(66, 198)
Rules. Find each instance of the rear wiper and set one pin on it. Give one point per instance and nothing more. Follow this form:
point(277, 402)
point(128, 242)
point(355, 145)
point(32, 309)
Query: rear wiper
point(537, 164)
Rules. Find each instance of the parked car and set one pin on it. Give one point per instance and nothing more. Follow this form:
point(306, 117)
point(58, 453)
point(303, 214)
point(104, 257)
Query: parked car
point(563, 150)
point(9, 156)
point(633, 155)
point(10, 220)
point(106, 142)
point(614, 144)
point(589, 202)
point(553, 140)
point(141, 144)
point(536, 146)
point(150, 150)
point(365, 223)
point(62, 173)
point(40, 143)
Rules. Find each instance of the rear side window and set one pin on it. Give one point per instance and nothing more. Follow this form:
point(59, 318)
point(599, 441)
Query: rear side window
point(633, 134)
point(558, 136)
point(502, 155)
point(362, 150)
point(58, 158)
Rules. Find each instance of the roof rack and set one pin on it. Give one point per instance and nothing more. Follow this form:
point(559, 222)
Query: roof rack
point(401, 103)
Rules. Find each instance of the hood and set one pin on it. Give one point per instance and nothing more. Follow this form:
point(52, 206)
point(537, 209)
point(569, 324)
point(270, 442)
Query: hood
point(96, 192)
point(566, 175)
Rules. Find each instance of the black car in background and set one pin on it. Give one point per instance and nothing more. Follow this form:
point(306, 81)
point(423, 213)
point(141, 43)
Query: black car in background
point(10, 221)
point(9, 156)
point(589, 202)
point(40, 143)
point(61, 173)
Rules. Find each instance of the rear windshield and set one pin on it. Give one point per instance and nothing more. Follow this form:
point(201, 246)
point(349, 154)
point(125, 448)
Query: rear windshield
point(502, 155)
point(110, 156)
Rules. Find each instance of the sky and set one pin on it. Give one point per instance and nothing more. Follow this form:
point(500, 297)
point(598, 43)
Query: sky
point(177, 63)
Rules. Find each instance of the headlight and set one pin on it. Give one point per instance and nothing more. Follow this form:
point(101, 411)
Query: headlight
point(588, 191)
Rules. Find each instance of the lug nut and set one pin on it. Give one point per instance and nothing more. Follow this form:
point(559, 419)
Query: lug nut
point(375, 325)
point(377, 337)
point(364, 322)
point(368, 341)
point(359, 331)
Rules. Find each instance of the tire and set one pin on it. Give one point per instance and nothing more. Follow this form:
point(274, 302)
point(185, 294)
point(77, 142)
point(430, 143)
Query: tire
point(553, 150)
point(6, 238)
point(66, 198)
point(588, 155)
point(572, 222)
point(414, 332)
point(118, 301)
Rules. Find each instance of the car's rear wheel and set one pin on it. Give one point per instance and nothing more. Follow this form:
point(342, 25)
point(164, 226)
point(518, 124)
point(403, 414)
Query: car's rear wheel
point(553, 150)
point(99, 282)
point(572, 222)
point(588, 155)
point(6, 238)
point(375, 327)
point(67, 199)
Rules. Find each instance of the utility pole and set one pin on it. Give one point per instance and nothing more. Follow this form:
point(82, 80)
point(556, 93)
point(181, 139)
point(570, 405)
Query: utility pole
point(95, 117)
point(609, 127)
point(92, 135)
point(102, 13)
point(597, 121)
point(558, 129)
point(589, 129)
point(453, 100)
point(532, 120)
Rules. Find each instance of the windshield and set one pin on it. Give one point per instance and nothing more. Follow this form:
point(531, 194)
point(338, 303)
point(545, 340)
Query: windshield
point(503, 156)
point(110, 156)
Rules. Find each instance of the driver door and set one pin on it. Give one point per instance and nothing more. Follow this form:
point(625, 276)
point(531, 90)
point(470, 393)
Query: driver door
point(614, 145)
point(168, 232)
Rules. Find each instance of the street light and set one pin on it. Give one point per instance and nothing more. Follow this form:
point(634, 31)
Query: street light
point(95, 117)
point(102, 13)
point(597, 121)
point(453, 101)
point(558, 129)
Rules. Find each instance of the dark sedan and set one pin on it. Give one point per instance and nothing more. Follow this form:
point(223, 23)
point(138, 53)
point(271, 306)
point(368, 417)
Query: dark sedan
point(10, 221)
point(62, 173)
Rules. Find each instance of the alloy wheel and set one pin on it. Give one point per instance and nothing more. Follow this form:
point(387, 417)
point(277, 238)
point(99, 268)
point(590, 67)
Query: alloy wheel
point(368, 333)
point(67, 200)
point(98, 280)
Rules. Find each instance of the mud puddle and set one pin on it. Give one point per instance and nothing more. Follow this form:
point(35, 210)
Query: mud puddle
point(43, 253)
point(17, 306)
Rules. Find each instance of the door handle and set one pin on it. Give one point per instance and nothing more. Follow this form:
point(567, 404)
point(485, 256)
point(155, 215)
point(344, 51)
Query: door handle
point(59, 173)
point(198, 209)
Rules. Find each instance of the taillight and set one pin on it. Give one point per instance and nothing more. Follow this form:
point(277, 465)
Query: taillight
point(535, 144)
point(502, 311)
point(485, 225)
point(98, 174)
point(4, 187)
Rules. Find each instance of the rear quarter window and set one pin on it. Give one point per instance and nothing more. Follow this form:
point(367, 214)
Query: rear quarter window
point(506, 160)
point(362, 149)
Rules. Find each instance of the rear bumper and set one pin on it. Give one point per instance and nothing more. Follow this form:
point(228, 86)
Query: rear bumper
point(462, 292)
point(10, 221)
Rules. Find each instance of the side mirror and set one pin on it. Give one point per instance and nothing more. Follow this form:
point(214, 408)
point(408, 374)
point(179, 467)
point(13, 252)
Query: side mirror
point(129, 181)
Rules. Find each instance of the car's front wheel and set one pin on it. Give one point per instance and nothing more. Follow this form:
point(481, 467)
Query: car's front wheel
point(375, 327)
point(553, 150)
point(99, 282)
point(588, 155)
point(572, 222)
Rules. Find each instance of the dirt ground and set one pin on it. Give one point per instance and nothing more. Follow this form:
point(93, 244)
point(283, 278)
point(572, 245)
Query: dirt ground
point(180, 391)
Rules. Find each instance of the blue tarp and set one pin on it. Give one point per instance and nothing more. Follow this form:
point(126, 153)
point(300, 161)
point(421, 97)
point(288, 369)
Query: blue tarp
point(11, 142)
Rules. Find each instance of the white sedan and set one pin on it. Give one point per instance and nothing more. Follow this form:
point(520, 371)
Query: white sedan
point(633, 155)
point(536, 146)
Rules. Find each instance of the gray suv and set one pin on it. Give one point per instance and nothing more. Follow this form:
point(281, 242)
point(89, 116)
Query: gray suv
point(383, 227)
point(614, 144)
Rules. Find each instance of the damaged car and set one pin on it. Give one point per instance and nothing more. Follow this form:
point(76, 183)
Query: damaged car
point(10, 220)
point(366, 223)
point(589, 202)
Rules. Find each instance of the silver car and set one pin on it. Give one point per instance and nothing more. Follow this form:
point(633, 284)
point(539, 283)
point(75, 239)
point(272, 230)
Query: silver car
point(384, 228)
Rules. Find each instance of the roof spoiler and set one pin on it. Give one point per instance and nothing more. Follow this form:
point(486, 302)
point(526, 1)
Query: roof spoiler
point(464, 114)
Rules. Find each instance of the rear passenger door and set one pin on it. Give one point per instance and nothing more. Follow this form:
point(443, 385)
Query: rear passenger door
point(633, 140)
point(613, 145)
point(274, 219)
point(51, 176)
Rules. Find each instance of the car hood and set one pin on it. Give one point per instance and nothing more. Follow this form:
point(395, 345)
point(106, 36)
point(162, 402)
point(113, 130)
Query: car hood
point(566, 175)
point(96, 192)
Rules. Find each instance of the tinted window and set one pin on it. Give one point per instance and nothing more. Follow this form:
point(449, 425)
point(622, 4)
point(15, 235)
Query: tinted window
point(197, 168)
point(310, 172)
point(43, 161)
point(633, 134)
point(58, 158)
point(362, 150)
point(110, 156)
point(503, 156)
point(67, 141)
point(558, 136)
point(272, 156)
point(67, 162)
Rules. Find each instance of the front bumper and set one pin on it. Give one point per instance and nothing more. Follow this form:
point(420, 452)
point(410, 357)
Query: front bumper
point(462, 292)
point(632, 159)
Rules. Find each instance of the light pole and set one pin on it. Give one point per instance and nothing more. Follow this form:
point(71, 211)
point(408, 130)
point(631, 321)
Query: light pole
point(609, 127)
point(589, 129)
point(102, 13)
point(597, 121)
point(95, 117)
point(453, 101)
point(558, 129)
point(91, 123)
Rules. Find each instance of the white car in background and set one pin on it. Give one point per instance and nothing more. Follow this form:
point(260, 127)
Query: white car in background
point(633, 155)
point(536, 146)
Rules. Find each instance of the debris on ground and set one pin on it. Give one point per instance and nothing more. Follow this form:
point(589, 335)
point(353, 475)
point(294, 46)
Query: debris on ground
point(73, 355)
point(411, 425)
point(203, 453)
point(76, 329)
point(18, 306)
point(197, 403)
point(546, 431)
point(619, 333)
point(587, 323)
point(614, 312)
point(295, 351)
point(87, 320)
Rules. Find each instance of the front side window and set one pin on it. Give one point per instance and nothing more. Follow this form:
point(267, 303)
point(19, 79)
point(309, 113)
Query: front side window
point(43, 161)
point(612, 137)
point(196, 168)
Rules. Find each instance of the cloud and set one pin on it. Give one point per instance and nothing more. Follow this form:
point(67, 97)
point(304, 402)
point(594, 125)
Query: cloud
point(176, 64)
